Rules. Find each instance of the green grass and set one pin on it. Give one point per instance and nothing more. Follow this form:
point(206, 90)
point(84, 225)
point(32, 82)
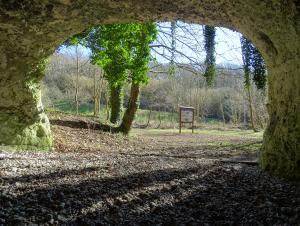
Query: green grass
point(231, 133)
point(85, 109)
point(69, 107)
point(166, 117)
point(247, 141)
point(247, 146)
point(169, 123)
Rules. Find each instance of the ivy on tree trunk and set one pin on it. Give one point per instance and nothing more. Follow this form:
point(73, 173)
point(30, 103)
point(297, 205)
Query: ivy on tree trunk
point(253, 64)
point(210, 60)
point(131, 109)
point(115, 103)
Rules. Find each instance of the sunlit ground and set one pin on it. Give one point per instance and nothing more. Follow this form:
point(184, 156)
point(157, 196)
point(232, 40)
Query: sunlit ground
point(152, 177)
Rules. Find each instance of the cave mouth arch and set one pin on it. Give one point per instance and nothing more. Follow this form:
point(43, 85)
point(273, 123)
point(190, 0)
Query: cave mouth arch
point(30, 31)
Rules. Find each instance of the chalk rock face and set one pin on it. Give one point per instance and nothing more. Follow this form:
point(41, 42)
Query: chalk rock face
point(23, 123)
point(30, 30)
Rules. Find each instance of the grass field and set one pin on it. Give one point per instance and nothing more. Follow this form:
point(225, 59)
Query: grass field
point(205, 131)
point(157, 120)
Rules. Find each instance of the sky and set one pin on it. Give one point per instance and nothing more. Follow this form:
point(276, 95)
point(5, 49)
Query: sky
point(190, 42)
point(228, 48)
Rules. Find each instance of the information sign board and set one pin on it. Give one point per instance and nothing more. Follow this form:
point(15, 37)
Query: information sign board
point(186, 115)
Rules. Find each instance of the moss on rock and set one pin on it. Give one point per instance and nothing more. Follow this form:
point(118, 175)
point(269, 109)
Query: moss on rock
point(23, 123)
point(17, 134)
point(280, 153)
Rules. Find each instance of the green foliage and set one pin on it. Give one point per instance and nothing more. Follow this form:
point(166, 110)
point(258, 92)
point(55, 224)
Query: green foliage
point(68, 107)
point(247, 55)
point(259, 73)
point(122, 50)
point(140, 51)
point(253, 64)
point(210, 60)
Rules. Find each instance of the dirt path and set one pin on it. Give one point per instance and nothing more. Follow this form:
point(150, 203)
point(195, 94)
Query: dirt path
point(149, 178)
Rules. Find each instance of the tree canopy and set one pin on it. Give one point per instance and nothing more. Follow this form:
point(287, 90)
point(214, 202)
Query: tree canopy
point(122, 50)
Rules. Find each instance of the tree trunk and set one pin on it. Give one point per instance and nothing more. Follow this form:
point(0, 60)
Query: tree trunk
point(96, 106)
point(77, 81)
point(159, 118)
point(131, 109)
point(244, 114)
point(223, 114)
point(115, 103)
point(250, 107)
point(97, 94)
point(149, 118)
point(96, 111)
point(107, 104)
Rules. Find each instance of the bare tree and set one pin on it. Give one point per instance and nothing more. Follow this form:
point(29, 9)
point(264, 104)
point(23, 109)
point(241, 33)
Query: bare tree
point(98, 85)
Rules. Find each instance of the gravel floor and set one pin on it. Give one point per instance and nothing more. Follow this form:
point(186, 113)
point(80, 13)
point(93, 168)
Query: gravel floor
point(126, 183)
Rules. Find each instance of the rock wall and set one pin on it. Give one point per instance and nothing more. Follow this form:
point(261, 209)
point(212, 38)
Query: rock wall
point(30, 30)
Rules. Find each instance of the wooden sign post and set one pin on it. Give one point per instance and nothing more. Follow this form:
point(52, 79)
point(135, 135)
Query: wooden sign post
point(186, 115)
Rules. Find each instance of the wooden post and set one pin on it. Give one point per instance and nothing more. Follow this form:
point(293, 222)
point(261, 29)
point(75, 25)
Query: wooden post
point(193, 120)
point(179, 120)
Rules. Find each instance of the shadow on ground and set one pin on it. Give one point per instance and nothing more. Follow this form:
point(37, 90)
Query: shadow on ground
point(218, 195)
point(81, 124)
point(246, 151)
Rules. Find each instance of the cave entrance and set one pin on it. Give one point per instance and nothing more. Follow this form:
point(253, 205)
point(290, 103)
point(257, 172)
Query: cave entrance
point(33, 31)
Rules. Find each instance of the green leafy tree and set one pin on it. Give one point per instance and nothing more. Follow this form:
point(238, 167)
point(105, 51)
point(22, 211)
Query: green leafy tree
point(140, 57)
point(111, 52)
point(123, 51)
